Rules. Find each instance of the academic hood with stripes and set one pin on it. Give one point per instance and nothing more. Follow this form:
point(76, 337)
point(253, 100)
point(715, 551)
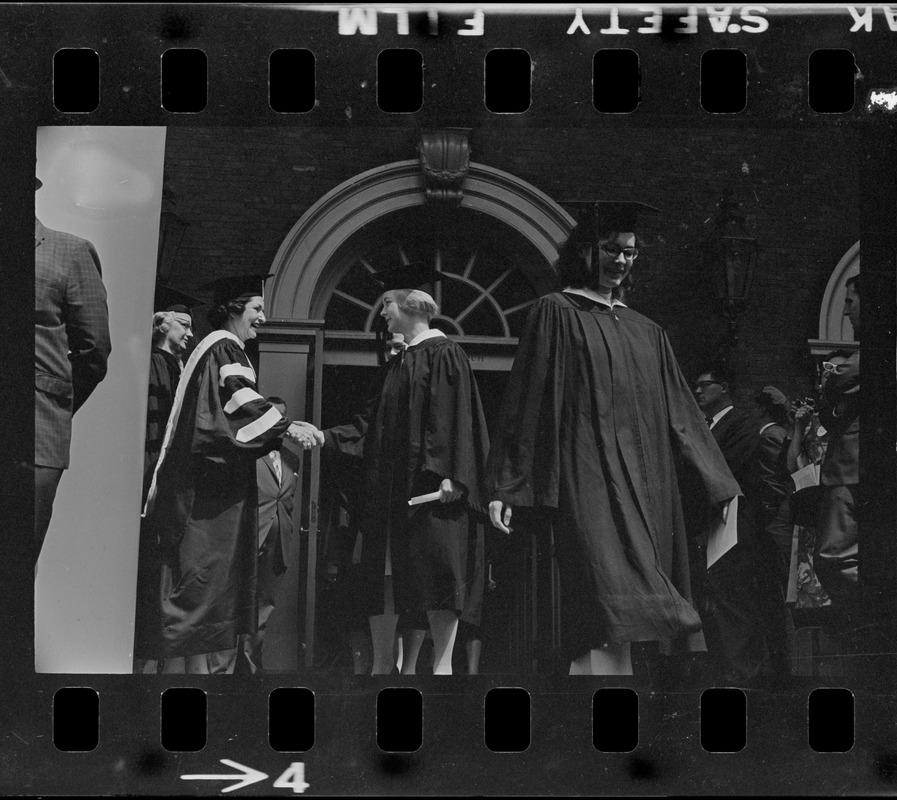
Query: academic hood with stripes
point(202, 507)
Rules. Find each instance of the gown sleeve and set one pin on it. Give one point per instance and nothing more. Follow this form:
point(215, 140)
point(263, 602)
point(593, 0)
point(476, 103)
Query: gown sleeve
point(160, 398)
point(693, 443)
point(350, 438)
point(455, 439)
point(159, 401)
point(524, 461)
point(231, 414)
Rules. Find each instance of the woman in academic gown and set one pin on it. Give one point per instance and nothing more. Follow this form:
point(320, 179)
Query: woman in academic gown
point(172, 332)
point(424, 432)
point(202, 506)
point(599, 427)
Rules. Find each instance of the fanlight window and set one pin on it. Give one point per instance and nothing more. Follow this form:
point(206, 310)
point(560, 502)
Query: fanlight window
point(482, 294)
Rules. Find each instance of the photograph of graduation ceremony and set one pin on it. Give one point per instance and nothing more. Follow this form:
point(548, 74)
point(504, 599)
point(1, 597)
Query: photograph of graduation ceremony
point(450, 401)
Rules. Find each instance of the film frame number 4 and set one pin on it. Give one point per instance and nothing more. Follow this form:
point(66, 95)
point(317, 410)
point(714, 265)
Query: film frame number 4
point(293, 778)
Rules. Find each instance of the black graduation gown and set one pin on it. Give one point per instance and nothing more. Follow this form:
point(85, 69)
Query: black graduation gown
point(165, 372)
point(598, 424)
point(425, 424)
point(205, 514)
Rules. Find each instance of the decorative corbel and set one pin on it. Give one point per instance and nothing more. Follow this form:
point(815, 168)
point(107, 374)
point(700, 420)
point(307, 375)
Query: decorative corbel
point(444, 161)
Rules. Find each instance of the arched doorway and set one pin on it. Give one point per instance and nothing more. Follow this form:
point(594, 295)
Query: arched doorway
point(382, 217)
point(496, 248)
point(835, 330)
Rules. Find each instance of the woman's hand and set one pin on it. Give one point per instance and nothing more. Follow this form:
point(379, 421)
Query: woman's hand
point(449, 491)
point(305, 434)
point(500, 514)
point(724, 507)
point(802, 418)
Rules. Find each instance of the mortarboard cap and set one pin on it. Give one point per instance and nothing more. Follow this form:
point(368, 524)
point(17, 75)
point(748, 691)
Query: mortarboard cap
point(236, 287)
point(624, 215)
point(168, 299)
point(612, 215)
point(406, 276)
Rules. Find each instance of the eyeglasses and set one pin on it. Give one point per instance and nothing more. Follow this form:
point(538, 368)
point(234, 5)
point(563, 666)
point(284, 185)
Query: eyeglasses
point(829, 366)
point(705, 384)
point(613, 250)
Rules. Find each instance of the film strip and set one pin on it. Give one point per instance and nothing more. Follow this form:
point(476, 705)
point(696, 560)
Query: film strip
point(189, 142)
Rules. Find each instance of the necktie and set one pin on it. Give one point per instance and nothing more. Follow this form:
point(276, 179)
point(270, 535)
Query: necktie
point(275, 457)
point(709, 421)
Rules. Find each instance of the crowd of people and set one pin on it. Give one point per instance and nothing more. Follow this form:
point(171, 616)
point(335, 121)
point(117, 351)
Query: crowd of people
point(685, 528)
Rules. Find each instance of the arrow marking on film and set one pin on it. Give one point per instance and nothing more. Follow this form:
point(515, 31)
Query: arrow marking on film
point(248, 777)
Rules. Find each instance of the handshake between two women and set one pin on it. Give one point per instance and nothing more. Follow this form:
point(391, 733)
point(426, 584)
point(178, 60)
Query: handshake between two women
point(305, 434)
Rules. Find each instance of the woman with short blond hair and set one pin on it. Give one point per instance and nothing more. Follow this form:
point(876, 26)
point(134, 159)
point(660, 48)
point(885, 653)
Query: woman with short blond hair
point(424, 433)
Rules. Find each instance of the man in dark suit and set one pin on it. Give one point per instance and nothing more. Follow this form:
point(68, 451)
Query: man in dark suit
point(772, 479)
point(277, 475)
point(836, 545)
point(740, 608)
point(71, 348)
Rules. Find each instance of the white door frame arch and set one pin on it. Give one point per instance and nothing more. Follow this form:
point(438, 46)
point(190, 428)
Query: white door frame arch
point(302, 286)
point(293, 341)
point(835, 330)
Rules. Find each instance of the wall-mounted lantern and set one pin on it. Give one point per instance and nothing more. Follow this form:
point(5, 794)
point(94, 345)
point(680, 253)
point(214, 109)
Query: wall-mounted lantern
point(730, 256)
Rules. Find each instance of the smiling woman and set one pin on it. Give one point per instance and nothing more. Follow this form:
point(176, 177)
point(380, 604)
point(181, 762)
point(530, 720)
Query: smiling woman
point(408, 312)
point(201, 508)
point(244, 325)
point(423, 434)
point(599, 254)
point(599, 430)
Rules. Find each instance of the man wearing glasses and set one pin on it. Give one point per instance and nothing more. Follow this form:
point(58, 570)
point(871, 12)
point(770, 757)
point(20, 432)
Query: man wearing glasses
point(836, 545)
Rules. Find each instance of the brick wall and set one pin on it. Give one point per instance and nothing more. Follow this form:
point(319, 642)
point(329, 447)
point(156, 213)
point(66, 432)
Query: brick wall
point(242, 189)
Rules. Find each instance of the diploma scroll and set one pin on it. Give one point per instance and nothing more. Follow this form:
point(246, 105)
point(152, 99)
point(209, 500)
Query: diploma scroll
point(424, 498)
point(723, 535)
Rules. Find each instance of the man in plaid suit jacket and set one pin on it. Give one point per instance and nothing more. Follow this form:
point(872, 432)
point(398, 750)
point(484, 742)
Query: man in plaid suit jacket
point(71, 347)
